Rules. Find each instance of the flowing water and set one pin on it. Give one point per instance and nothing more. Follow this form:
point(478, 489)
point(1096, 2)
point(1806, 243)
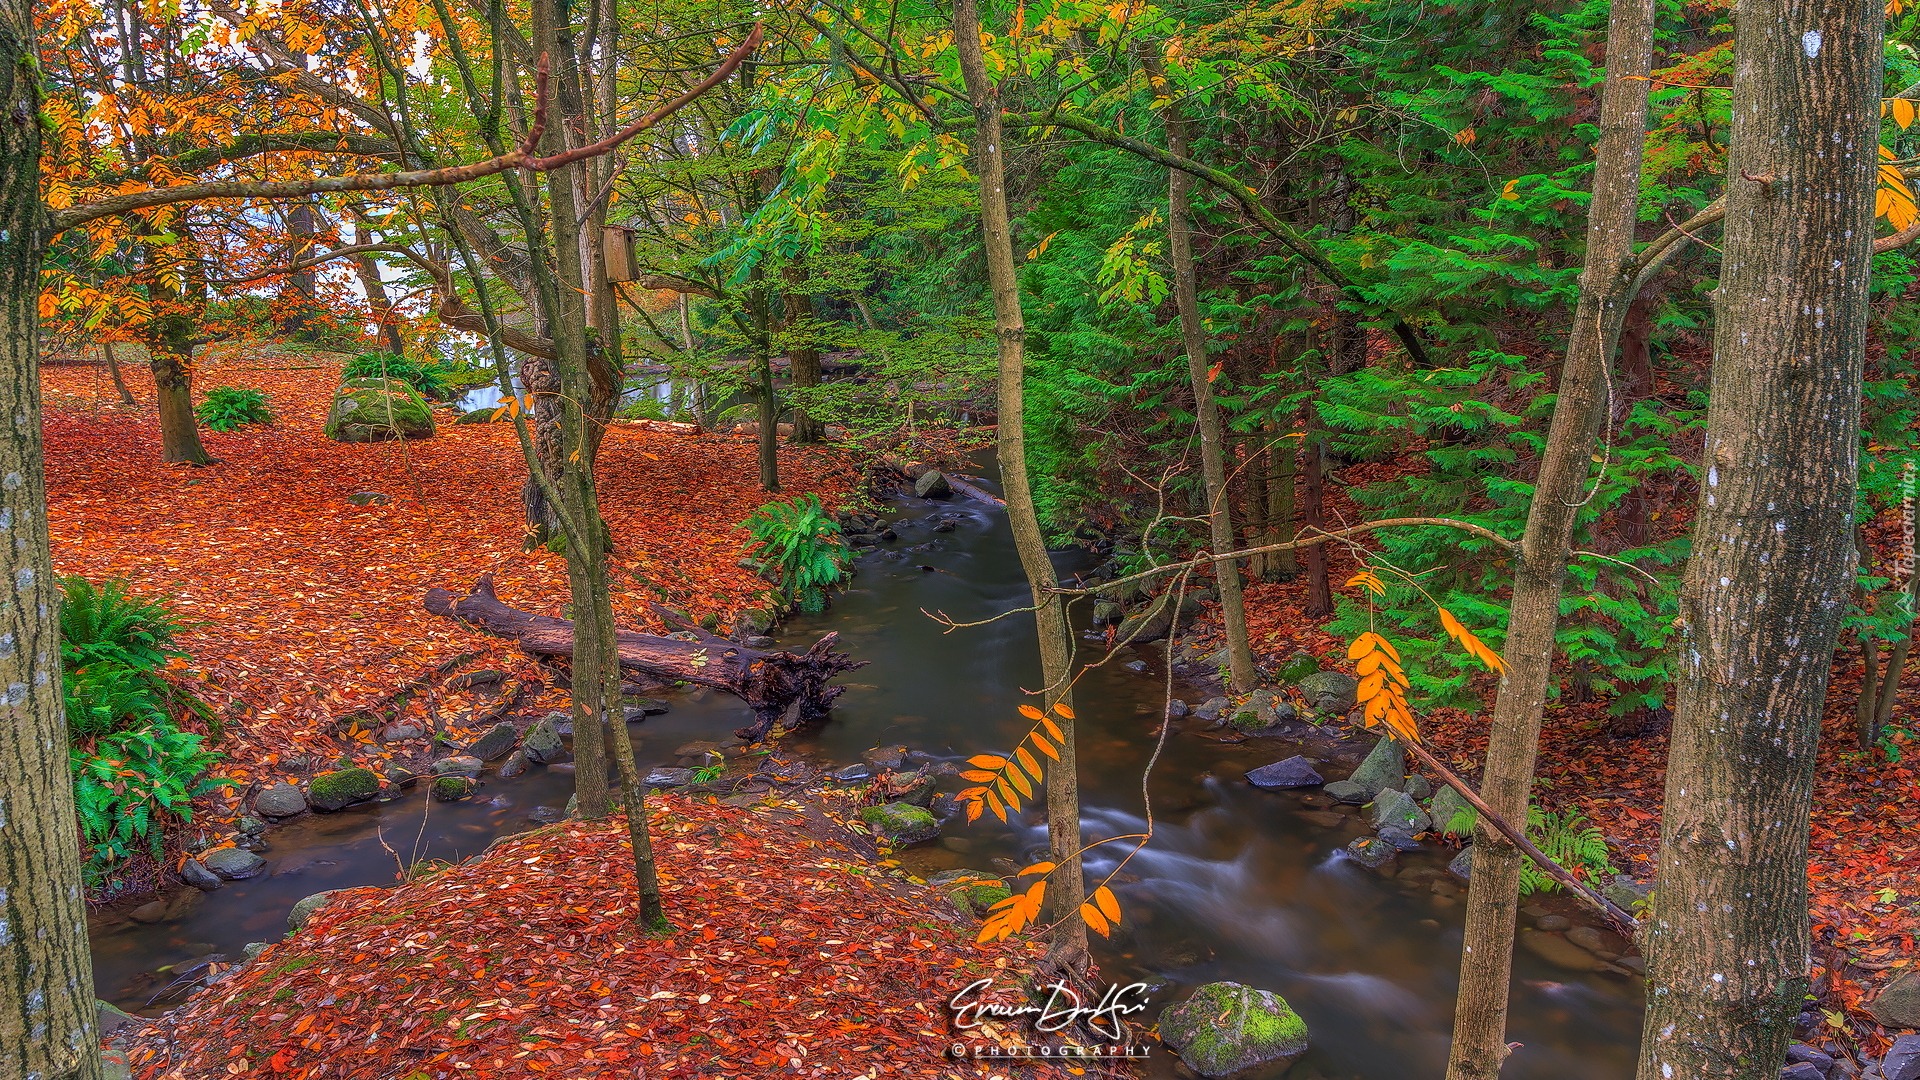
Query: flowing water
point(1236, 884)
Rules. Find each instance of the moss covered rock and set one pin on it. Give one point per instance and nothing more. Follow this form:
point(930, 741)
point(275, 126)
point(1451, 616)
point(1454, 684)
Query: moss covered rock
point(1229, 1030)
point(971, 890)
point(376, 410)
point(342, 788)
point(452, 788)
point(900, 823)
point(302, 911)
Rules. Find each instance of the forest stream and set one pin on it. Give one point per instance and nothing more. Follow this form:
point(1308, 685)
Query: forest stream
point(1238, 883)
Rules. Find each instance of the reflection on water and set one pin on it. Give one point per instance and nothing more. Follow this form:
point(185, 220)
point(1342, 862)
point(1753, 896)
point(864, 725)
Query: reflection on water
point(1237, 884)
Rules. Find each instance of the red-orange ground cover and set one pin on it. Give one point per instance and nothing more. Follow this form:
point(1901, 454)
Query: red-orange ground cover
point(309, 604)
point(789, 956)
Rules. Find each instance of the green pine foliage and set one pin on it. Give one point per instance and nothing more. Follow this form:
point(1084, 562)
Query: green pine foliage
point(800, 546)
point(229, 408)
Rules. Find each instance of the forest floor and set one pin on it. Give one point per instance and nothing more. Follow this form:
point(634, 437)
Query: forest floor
point(789, 954)
point(308, 606)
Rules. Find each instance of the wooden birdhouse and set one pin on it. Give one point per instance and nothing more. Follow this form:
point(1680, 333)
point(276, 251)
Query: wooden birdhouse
point(616, 247)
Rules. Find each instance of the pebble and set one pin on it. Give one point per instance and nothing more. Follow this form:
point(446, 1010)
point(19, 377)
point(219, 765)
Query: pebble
point(1553, 923)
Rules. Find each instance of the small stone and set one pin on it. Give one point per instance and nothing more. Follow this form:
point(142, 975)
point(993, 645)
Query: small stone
point(1385, 767)
point(233, 863)
point(1177, 708)
point(496, 743)
point(1635, 964)
point(1371, 852)
point(1903, 1061)
point(1451, 814)
point(1326, 819)
point(669, 777)
point(394, 733)
point(1401, 839)
point(1418, 786)
point(1801, 1053)
point(885, 758)
point(1347, 791)
point(1212, 708)
point(304, 909)
point(452, 787)
point(1462, 864)
point(341, 788)
point(368, 498)
point(1802, 1071)
point(1553, 924)
point(458, 766)
point(1898, 1005)
point(149, 913)
point(932, 485)
point(251, 951)
point(1534, 911)
point(1135, 666)
point(113, 1018)
point(248, 825)
point(900, 823)
point(1330, 693)
point(198, 876)
point(280, 800)
point(471, 679)
point(515, 764)
point(1560, 952)
point(1294, 772)
point(1227, 1028)
point(542, 742)
point(853, 774)
point(639, 708)
point(759, 642)
point(1396, 809)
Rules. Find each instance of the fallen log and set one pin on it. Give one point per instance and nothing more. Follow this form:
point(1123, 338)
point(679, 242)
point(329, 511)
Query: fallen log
point(784, 687)
point(914, 470)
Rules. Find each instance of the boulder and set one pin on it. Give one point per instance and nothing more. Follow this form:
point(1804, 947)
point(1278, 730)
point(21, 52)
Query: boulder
point(342, 788)
point(1591, 939)
point(457, 766)
point(1553, 924)
point(1417, 786)
point(515, 764)
point(650, 706)
point(1227, 1028)
point(452, 787)
point(1106, 613)
point(972, 891)
point(1330, 692)
point(670, 777)
point(377, 410)
point(1294, 772)
point(932, 485)
point(302, 911)
point(1261, 711)
point(1396, 809)
point(885, 758)
point(542, 742)
point(754, 621)
point(900, 823)
point(197, 875)
point(1347, 791)
point(1451, 813)
point(251, 951)
point(853, 774)
point(496, 743)
point(1800, 1053)
point(113, 1018)
point(1385, 767)
point(149, 913)
point(1401, 839)
point(280, 800)
point(1212, 708)
point(1371, 852)
point(1903, 1061)
point(1802, 1071)
point(1150, 623)
point(1898, 1005)
point(233, 864)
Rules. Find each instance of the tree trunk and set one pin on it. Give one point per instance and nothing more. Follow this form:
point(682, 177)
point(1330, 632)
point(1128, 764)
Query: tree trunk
point(299, 299)
point(46, 973)
point(1319, 589)
point(1282, 456)
point(1067, 888)
point(1186, 290)
point(1760, 605)
point(1889, 689)
point(386, 320)
point(803, 355)
point(1480, 1018)
point(113, 370)
point(169, 341)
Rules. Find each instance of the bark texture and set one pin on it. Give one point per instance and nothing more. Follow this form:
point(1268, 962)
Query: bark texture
point(1480, 1020)
point(46, 977)
point(1773, 557)
point(1067, 888)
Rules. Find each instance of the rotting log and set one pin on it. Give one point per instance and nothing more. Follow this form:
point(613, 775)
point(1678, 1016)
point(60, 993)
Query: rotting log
point(784, 687)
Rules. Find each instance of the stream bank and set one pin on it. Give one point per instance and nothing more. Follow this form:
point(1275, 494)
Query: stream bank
point(1239, 884)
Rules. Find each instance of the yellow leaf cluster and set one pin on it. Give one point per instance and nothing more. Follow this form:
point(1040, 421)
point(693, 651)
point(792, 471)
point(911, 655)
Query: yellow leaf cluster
point(1894, 200)
point(1004, 782)
point(1474, 646)
point(1382, 693)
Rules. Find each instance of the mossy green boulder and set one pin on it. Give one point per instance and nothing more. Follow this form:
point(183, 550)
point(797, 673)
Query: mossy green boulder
point(900, 823)
point(377, 410)
point(971, 890)
point(1229, 1030)
point(302, 911)
point(342, 788)
point(452, 788)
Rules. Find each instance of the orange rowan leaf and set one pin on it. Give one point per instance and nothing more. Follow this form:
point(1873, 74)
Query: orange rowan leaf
point(1030, 712)
point(1063, 710)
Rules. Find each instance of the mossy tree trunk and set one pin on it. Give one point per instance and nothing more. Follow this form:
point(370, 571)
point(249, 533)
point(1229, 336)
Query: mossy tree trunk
point(47, 1019)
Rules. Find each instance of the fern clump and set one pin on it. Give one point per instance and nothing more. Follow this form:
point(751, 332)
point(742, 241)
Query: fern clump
point(132, 767)
point(801, 548)
point(1570, 840)
point(430, 379)
point(228, 408)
